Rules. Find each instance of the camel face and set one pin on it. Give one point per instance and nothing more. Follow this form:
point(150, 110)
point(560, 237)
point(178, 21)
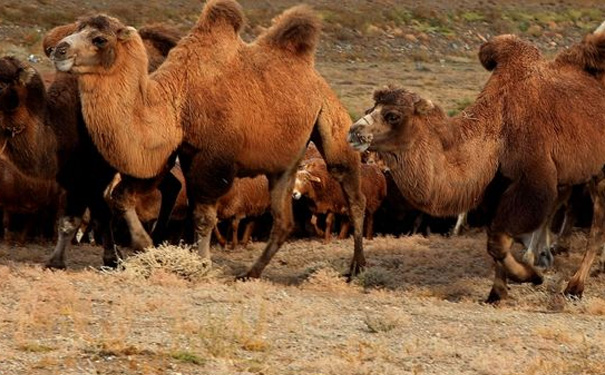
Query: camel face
point(303, 183)
point(389, 125)
point(92, 47)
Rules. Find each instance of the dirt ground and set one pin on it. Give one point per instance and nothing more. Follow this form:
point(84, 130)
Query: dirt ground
point(416, 310)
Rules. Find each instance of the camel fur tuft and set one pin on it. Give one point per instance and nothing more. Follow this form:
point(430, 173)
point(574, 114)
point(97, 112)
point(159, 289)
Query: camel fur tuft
point(219, 13)
point(508, 50)
point(296, 30)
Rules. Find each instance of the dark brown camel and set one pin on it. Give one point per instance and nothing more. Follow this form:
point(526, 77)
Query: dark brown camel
point(237, 109)
point(535, 125)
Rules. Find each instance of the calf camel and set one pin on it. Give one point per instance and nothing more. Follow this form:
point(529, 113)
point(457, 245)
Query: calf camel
point(237, 110)
point(535, 124)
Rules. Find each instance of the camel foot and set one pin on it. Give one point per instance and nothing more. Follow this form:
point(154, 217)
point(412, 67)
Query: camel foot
point(574, 290)
point(497, 294)
point(110, 262)
point(355, 269)
point(52, 265)
point(247, 276)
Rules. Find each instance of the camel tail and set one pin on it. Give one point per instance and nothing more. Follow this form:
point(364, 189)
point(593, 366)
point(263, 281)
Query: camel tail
point(221, 12)
point(163, 37)
point(296, 30)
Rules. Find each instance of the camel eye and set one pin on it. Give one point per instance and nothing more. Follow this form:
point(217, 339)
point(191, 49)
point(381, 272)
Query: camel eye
point(99, 42)
point(392, 117)
point(49, 50)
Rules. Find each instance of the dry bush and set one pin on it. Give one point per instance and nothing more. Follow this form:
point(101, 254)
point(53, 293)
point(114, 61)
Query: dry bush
point(178, 260)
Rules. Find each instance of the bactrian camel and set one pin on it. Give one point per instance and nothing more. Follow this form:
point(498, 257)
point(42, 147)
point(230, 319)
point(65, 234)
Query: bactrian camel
point(236, 109)
point(45, 137)
point(535, 125)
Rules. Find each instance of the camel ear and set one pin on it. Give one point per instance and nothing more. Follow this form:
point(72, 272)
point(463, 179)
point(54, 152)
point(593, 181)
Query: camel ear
point(314, 178)
point(25, 75)
point(126, 33)
point(423, 106)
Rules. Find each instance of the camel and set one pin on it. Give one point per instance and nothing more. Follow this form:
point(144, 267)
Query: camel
point(236, 109)
point(535, 125)
point(44, 137)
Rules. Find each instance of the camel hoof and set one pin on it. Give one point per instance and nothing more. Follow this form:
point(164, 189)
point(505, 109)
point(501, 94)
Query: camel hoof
point(248, 276)
point(54, 266)
point(110, 262)
point(574, 291)
point(496, 295)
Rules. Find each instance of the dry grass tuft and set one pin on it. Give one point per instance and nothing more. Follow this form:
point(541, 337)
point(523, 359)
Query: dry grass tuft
point(328, 280)
point(177, 260)
point(376, 277)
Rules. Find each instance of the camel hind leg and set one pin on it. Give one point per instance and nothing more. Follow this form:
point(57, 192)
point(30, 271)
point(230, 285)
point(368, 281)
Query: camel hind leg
point(575, 287)
point(344, 165)
point(283, 219)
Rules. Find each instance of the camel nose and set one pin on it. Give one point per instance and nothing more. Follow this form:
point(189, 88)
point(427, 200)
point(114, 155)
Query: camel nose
point(296, 195)
point(61, 50)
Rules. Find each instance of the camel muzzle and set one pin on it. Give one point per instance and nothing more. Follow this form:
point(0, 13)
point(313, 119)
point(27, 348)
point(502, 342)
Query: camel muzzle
point(357, 139)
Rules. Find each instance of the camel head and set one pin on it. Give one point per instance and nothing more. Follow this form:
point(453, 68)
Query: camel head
point(20, 85)
point(94, 45)
point(391, 123)
point(54, 36)
point(306, 178)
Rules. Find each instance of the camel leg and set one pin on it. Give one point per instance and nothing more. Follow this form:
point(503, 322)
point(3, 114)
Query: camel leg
point(247, 233)
point(123, 202)
point(369, 226)
point(344, 229)
point(460, 222)
point(170, 187)
point(318, 231)
point(329, 226)
point(219, 237)
point(234, 229)
point(67, 226)
point(575, 287)
point(417, 223)
point(283, 219)
point(204, 220)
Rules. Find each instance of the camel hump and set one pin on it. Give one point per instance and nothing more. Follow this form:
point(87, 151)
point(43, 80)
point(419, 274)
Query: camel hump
point(594, 51)
point(296, 30)
point(218, 12)
point(163, 37)
point(507, 49)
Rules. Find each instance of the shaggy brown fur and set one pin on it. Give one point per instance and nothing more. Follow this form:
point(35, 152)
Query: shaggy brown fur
point(536, 125)
point(326, 196)
point(247, 198)
point(238, 109)
point(20, 194)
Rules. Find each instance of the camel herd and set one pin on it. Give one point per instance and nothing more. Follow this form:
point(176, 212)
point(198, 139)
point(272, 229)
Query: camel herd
point(218, 129)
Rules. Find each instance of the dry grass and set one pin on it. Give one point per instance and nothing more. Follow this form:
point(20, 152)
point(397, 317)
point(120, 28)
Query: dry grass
point(401, 316)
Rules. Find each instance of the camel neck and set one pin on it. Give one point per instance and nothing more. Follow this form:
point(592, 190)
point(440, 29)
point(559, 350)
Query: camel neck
point(130, 116)
point(449, 165)
point(32, 149)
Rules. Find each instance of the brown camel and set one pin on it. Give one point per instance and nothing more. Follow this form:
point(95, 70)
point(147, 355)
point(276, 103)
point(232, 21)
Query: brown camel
point(45, 137)
point(237, 109)
point(534, 126)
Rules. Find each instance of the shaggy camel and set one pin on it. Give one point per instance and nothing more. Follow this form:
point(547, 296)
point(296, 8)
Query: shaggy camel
point(44, 136)
point(444, 165)
point(38, 199)
point(237, 110)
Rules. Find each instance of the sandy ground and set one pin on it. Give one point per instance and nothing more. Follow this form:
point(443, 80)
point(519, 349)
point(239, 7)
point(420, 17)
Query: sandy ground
point(416, 310)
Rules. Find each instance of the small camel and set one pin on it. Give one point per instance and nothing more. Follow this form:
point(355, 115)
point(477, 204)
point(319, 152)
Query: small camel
point(535, 125)
point(236, 109)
